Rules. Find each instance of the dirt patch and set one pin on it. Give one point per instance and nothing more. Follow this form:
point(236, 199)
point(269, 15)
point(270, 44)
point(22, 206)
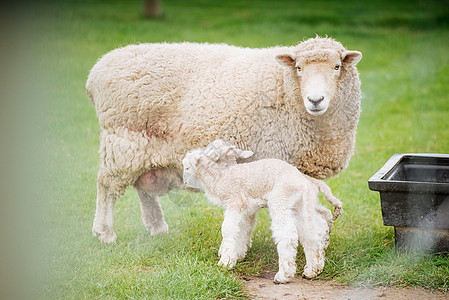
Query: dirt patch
point(303, 289)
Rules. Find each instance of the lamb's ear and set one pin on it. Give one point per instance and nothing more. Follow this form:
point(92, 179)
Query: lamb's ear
point(211, 153)
point(351, 57)
point(244, 153)
point(286, 60)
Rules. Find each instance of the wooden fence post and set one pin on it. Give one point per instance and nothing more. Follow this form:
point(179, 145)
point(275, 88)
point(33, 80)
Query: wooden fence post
point(152, 8)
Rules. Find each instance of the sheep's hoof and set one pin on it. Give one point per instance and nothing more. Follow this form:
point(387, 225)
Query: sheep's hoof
point(107, 237)
point(281, 278)
point(160, 229)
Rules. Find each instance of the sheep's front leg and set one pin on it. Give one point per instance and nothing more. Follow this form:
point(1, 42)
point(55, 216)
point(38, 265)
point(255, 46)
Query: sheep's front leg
point(234, 244)
point(152, 214)
point(104, 214)
point(283, 226)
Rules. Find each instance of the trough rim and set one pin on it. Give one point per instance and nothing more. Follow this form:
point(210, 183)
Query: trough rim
point(377, 182)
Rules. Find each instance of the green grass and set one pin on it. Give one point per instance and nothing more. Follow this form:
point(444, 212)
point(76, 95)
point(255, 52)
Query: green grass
point(405, 84)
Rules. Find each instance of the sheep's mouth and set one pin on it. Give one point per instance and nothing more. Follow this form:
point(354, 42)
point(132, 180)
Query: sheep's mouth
point(316, 111)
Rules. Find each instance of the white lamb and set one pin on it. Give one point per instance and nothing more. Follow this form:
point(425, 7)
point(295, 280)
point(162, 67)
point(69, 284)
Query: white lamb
point(243, 189)
point(154, 102)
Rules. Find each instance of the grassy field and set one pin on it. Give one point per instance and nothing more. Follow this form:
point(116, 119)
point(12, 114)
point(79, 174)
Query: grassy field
point(405, 85)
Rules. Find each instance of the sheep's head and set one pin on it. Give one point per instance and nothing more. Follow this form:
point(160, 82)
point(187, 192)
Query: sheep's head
point(318, 73)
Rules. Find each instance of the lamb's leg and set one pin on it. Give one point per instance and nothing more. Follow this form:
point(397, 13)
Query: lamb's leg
point(313, 233)
point(326, 215)
point(104, 214)
point(152, 214)
point(315, 255)
point(248, 229)
point(233, 246)
point(283, 226)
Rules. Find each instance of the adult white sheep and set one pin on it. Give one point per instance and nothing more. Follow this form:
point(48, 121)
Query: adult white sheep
point(154, 102)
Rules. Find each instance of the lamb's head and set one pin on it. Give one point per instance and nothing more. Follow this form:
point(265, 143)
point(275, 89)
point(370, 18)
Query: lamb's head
point(216, 156)
point(191, 163)
point(318, 71)
point(224, 153)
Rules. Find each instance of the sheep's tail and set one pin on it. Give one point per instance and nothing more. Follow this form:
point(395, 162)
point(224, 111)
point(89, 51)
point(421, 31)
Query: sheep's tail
point(89, 93)
point(90, 96)
point(325, 189)
point(89, 89)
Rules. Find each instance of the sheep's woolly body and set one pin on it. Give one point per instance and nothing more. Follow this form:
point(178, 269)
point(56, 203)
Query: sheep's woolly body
point(154, 102)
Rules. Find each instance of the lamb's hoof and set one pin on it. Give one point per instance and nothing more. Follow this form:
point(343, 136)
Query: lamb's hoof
point(160, 229)
point(281, 278)
point(106, 237)
point(227, 262)
point(309, 273)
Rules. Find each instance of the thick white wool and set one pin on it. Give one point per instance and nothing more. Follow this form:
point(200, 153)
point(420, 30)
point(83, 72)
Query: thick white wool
point(154, 102)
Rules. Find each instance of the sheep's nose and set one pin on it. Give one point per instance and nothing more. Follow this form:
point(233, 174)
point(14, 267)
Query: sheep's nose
point(315, 100)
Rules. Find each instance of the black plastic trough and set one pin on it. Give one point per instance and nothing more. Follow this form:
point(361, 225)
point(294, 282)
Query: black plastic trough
point(414, 195)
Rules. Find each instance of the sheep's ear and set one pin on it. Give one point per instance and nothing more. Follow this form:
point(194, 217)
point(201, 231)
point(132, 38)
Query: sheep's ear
point(244, 153)
point(351, 57)
point(286, 60)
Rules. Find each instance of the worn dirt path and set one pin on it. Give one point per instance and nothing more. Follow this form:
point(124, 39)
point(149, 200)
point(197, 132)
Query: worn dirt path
point(303, 289)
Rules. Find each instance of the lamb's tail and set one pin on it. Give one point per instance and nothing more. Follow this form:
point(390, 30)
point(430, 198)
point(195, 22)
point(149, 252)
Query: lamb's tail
point(324, 188)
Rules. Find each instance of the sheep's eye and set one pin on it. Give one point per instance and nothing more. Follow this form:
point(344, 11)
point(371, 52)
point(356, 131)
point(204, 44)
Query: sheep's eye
point(337, 67)
point(299, 69)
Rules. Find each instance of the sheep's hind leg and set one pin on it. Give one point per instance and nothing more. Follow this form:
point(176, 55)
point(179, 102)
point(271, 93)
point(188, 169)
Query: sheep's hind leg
point(152, 214)
point(104, 214)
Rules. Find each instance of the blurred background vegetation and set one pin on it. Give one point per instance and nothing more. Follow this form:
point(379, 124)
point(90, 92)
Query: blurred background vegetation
point(50, 158)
